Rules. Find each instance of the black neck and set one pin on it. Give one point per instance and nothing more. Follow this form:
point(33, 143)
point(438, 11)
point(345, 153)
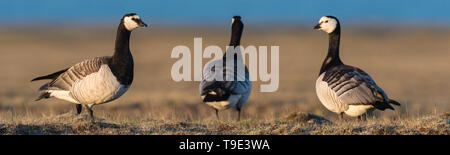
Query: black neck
point(121, 63)
point(332, 58)
point(236, 33)
point(122, 47)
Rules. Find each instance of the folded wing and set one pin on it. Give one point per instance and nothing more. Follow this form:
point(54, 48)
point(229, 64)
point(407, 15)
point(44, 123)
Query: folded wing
point(219, 90)
point(65, 79)
point(353, 86)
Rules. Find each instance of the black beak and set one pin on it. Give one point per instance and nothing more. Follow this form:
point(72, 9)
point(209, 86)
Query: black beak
point(317, 27)
point(142, 24)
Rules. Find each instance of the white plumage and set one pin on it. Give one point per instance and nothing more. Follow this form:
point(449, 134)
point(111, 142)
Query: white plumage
point(63, 95)
point(97, 88)
point(345, 95)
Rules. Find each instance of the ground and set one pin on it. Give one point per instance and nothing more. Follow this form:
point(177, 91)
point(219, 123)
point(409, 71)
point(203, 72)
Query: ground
point(410, 64)
point(293, 124)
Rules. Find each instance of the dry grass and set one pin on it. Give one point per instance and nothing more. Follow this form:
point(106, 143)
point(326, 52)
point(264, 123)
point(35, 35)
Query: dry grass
point(315, 125)
point(409, 64)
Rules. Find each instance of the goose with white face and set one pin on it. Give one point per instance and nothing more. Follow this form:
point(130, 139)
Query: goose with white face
point(132, 22)
point(327, 24)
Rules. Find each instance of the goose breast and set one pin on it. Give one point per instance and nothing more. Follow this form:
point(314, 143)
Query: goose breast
point(99, 87)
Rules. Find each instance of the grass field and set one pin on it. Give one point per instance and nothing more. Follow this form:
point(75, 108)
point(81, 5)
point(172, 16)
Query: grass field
point(411, 65)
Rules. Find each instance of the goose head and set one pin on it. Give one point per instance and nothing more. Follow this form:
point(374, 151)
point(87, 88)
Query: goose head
point(327, 24)
point(132, 21)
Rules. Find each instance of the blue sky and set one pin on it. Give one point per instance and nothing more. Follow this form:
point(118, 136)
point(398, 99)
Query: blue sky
point(199, 12)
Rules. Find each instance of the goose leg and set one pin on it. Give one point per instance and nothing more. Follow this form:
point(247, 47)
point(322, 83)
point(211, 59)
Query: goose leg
point(341, 116)
point(79, 108)
point(370, 114)
point(91, 112)
point(217, 114)
point(363, 117)
point(239, 114)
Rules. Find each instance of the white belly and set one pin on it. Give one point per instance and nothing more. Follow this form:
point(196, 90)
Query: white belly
point(98, 88)
point(328, 97)
point(222, 105)
point(63, 95)
point(357, 110)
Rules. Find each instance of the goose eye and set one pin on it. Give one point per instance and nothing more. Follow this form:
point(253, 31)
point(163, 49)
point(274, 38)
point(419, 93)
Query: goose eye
point(326, 21)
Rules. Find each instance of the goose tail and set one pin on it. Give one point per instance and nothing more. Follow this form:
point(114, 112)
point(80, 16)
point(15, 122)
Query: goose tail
point(43, 95)
point(50, 76)
point(391, 101)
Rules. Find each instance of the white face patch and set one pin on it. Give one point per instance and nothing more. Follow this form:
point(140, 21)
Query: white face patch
point(232, 21)
point(327, 24)
point(129, 23)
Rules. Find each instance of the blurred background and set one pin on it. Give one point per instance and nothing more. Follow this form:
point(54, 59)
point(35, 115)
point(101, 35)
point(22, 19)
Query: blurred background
point(403, 44)
point(210, 13)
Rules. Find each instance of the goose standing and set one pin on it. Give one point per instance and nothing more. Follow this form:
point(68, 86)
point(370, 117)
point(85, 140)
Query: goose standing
point(98, 80)
point(342, 88)
point(222, 95)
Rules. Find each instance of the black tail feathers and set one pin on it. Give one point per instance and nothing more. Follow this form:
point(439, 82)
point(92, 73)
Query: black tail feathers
point(43, 95)
point(50, 76)
point(391, 101)
point(386, 105)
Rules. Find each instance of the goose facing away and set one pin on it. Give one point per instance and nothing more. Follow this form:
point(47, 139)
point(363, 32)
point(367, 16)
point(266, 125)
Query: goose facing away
point(98, 80)
point(221, 95)
point(342, 88)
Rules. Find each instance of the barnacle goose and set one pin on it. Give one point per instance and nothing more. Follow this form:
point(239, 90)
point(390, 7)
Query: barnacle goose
point(98, 80)
point(342, 88)
point(221, 95)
